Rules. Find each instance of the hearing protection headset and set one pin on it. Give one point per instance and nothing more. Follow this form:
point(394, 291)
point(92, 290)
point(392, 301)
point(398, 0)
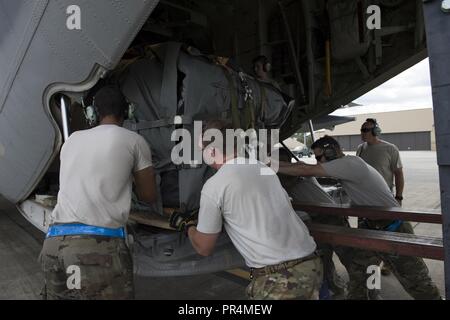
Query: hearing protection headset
point(91, 112)
point(376, 130)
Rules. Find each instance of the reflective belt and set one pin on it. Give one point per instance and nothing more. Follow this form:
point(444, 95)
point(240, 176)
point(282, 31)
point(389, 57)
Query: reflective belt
point(394, 226)
point(391, 227)
point(59, 230)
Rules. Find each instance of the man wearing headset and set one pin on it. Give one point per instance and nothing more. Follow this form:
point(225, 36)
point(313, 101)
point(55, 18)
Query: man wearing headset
point(85, 255)
point(366, 187)
point(383, 156)
point(262, 68)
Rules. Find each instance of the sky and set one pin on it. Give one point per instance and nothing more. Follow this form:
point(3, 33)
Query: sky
point(409, 90)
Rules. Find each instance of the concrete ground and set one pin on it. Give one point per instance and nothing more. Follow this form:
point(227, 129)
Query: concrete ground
point(421, 192)
point(20, 244)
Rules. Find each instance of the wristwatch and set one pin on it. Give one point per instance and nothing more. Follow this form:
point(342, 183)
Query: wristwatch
point(399, 198)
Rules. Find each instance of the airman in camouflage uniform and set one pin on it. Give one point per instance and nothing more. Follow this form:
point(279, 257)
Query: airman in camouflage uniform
point(411, 272)
point(300, 282)
point(257, 215)
point(366, 187)
point(105, 273)
point(84, 255)
point(309, 190)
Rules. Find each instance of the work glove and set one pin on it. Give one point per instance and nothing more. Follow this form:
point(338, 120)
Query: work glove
point(182, 220)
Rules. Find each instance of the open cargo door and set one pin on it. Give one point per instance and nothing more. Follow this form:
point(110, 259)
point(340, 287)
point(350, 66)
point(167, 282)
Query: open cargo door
point(51, 46)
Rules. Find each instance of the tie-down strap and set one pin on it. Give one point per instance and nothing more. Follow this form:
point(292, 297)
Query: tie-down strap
point(145, 124)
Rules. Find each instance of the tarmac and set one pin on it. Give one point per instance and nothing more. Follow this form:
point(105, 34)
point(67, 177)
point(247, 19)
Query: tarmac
point(20, 244)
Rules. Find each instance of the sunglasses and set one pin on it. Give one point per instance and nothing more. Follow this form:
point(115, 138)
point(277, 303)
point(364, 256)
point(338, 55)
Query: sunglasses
point(366, 129)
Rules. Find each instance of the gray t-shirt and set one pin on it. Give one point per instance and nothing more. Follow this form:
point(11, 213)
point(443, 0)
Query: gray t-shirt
point(256, 213)
point(96, 176)
point(384, 157)
point(363, 184)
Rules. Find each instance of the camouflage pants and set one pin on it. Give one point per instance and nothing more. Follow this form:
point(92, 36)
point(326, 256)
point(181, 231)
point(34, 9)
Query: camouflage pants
point(300, 282)
point(345, 255)
point(104, 266)
point(411, 272)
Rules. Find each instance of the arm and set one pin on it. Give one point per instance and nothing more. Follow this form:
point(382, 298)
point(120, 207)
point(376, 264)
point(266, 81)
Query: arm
point(399, 179)
point(143, 172)
point(145, 185)
point(287, 164)
point(203, 243)
point(210, 221)
point(399, 182)
point(302, 170)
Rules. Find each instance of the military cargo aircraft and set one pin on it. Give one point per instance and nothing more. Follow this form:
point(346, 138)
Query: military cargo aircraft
point(181, 61)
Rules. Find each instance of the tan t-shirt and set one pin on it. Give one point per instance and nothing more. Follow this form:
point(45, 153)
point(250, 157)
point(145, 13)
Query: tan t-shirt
point(97, 167)
point(384, 157)
point(256, 213)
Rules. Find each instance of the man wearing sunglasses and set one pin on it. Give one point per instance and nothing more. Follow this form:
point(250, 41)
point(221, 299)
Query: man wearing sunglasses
point(385, 158)
point(366, 187)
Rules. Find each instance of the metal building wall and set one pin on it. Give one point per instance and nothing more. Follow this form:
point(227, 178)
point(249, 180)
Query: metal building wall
point(408, 141)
